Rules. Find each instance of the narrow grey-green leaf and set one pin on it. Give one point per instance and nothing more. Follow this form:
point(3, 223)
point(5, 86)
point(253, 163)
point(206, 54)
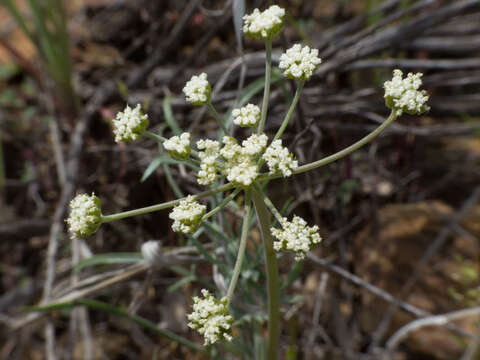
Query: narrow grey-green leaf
point(238, 10)
point(169, 118)
point(101, 306)
point(178, 284)
point(108, 259)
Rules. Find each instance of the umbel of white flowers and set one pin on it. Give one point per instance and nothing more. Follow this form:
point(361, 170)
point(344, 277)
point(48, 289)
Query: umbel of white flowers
point(187, 215)
point(248, 115)
point(130, 124)
point(299, 62)
point(239, 162)
point(210, 318)
point(197, 90)
point(278, 158)
point(264, 25)
point(178, 146)
point(85, 215)
point(402, 95)
point(296, 236)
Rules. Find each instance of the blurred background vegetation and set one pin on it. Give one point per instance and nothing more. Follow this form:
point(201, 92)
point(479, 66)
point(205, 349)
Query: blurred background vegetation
point(400, 218)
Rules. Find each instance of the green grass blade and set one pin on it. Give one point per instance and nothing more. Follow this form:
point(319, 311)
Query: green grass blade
point(101, 306)
point(178, 284)
point(108, 259)
point(2, 169)
point(168, 174)
point(12, 8)
point(169, 118)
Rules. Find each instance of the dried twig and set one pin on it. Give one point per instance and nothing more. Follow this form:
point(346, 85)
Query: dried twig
point(436, 320)
point(377, 291)
point(436, 244)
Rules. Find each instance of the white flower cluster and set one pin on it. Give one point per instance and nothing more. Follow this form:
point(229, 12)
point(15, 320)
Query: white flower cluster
point(210, 318)
point(263, 25)
point(248, 115)
point(85, 215)
point(197, 90)
point(178, 146)
point(299, 63)
point(187, 215)
point(130, 124)
point(208, 168)
point(278, 158)
point(402, 95)
point(296, 236)
point(151, 251)
point(255, 144)
point(240, 163)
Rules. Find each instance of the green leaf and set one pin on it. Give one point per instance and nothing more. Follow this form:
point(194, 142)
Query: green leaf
point(122, 89)
point(108, 259)
point(169, 118)
point(161, 160)
point(180, 270)
point(178, 284)
point(9, 70)
point(171, 182)
point(101, 306)
point(16, 14)
point(154, 164)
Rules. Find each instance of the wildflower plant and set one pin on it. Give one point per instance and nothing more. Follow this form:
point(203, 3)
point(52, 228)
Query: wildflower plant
point(234, 166)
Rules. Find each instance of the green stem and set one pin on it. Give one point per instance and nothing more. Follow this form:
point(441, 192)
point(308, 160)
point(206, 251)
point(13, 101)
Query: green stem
point(2, 169)
point(290, 111)
point(162, 206)
point(338, 155)
point(266, 90)
point(269, 204)
point(241, 247)
point(221, 205)
point(154, 136)
point(217, 117)
point(272, 276)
